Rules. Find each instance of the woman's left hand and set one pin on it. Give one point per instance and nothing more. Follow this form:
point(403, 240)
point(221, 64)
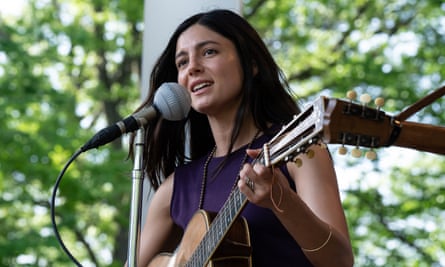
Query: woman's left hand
point(262, 186)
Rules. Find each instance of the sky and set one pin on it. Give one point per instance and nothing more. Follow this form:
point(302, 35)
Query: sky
point(11, 7)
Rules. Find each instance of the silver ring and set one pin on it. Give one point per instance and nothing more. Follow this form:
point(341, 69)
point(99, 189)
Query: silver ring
point(250, 184)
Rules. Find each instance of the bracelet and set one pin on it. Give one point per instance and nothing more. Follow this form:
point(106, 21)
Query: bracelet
point(322, 245)
point(276, 206)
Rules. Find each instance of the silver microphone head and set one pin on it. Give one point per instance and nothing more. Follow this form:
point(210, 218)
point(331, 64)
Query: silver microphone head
point(172, 101)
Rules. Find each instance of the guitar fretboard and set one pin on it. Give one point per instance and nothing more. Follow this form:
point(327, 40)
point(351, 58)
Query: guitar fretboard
point(218, 228)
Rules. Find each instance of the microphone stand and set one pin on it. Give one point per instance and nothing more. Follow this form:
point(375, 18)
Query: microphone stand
point(136, 197)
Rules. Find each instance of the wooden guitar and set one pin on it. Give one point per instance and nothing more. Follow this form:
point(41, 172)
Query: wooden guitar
point(223, 240)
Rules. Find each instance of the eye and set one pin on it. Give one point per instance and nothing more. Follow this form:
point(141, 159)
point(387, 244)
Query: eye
point(210, 51)
point(180, 63)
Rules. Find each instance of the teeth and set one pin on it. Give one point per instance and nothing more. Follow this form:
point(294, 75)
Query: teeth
point(200, 86)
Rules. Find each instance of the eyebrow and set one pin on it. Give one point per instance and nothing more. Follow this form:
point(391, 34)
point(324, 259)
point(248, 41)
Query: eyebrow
point(199, 45)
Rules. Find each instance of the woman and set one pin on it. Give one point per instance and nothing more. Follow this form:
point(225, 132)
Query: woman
point(239, 101)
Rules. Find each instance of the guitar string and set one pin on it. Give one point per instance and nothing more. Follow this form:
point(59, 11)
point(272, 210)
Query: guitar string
point(204, 182)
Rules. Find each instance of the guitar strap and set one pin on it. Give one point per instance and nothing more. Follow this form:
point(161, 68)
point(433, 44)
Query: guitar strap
point(396, 120)
point(420, 104)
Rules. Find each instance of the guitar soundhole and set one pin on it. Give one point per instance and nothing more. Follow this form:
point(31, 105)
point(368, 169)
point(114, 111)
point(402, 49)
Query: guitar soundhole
point(358, 140)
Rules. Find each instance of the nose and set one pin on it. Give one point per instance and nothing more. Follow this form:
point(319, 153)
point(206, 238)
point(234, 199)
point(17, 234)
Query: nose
point(194, 66)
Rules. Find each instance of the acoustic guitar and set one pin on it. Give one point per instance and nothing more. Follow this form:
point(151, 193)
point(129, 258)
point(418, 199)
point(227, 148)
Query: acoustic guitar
point(223, 239)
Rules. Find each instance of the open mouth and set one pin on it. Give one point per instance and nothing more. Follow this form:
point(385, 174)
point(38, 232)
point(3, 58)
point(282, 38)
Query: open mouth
point(200, 86)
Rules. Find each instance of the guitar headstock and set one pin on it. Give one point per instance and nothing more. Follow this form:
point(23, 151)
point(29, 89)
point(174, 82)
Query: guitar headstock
point(332, 121)
point(349, 123)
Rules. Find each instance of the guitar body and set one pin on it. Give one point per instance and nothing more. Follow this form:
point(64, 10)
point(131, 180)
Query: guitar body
point(234, 250)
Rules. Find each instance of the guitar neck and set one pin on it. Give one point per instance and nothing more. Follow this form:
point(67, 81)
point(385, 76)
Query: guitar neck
point(422, 137)
point(218, 228)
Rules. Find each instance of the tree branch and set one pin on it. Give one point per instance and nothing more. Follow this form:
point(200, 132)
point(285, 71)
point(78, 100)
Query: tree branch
point(255, 8)
point(310, 71)
point(90, 252)
point(377, 210)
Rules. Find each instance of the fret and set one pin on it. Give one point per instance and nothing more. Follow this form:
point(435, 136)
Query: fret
point(227, 219)
point(208, 245)
point(240, 198)
point(203, 252)
point(229, 210)
point(220, 230)
point(232, 211)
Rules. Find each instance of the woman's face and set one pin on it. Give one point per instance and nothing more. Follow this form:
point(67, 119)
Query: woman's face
point(209, 67)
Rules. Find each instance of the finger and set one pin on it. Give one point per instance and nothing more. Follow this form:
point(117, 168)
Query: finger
point(246, 170)
point(245, 188)
point(261, 170)
point(253, 153)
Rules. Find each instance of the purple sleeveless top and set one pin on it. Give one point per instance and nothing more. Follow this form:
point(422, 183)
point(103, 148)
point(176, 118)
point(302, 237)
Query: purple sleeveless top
point(271, 243)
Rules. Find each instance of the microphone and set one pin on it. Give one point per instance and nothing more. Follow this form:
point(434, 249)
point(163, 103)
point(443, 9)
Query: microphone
point(171, 101)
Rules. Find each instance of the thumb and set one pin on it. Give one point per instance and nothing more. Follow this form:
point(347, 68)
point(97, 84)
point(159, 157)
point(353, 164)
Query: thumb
point(253, 153)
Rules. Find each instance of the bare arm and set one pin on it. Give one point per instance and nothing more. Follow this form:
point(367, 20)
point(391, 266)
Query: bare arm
point(313, 215)
point(159, 231)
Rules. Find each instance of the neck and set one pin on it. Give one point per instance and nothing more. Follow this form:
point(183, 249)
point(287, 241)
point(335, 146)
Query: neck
point(222, 134)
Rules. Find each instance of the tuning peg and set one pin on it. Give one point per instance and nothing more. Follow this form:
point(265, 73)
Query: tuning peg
point(310, 153)
point(342, 150)
point(298, 162)
point(351, 95)
point(356, 152)
point(371, 155)
point(365, 99)
point(379, 102)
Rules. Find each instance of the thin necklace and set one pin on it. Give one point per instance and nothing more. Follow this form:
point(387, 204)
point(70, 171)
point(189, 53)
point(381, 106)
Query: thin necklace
point(206, 165)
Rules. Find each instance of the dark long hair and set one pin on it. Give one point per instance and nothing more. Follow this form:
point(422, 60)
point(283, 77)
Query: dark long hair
point(265, 94)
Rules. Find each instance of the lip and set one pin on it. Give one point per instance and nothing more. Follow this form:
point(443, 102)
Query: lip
point(195, 83)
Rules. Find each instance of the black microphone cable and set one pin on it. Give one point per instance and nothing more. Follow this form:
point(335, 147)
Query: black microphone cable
point(173, 103)
point(53, 207)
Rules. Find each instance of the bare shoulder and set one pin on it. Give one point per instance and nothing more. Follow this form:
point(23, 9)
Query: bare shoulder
point(164, 193)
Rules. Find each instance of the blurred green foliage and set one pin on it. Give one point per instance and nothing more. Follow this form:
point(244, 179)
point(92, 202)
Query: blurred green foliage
point(68, 68)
